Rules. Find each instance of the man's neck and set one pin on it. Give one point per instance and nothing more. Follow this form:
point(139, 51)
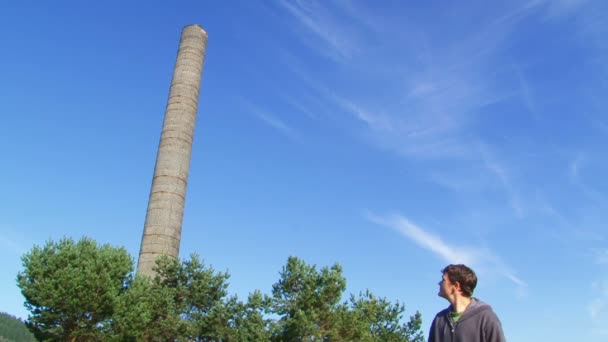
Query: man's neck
point(460, 303)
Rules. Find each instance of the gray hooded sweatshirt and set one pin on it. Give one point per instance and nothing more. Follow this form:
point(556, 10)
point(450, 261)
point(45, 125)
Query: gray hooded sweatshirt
point(478, 323)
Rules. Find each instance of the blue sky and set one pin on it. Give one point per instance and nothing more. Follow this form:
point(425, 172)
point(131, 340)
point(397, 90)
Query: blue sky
point(391, 137)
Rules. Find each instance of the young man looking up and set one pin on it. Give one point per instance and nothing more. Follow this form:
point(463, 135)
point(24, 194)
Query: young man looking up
point(467, 319)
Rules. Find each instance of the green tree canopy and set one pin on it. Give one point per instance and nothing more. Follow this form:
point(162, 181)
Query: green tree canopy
point(81, 291)
point(306, 300)
point(184, 301)
point(70, 288)
point(308, 303)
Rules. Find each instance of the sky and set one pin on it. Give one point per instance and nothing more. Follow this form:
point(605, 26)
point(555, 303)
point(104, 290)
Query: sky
point(391, 137)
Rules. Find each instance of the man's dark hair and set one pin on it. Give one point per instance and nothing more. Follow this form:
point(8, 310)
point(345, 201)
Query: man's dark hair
point(464, 276)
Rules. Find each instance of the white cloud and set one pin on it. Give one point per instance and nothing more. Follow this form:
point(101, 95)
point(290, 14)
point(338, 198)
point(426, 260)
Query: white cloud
point(274, 122)
point(438, 90)
point(317, 20)
point(496, 168)
point(426, 240)
point(277, 124)
point(480, 258)
point(576, 177)
point(558, 8)
point(600, 256)
point(420, 133)
point(552, 9)
point(598, 307)
point(574, 168)
point(374, 121)
point(526, 93)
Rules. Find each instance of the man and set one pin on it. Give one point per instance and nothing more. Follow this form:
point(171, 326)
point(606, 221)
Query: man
point(467, 319)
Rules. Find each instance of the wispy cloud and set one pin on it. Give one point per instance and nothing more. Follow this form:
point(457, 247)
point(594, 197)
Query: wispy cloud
point(575, 169)
point(456, 183)
point(598, 307)
point(318, 20)
point(503, 176)
point(373, 120)
point(274, 122)
point(600, 256)
point(434, 89)
point(526, 93)
point(421, 133)
point(475, 257)
point(558, 8)
point(594, 29)
point(552, 9)
point(426, 240)
point(437, 91)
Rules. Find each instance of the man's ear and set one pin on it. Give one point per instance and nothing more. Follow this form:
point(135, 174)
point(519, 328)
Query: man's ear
point(457, 287)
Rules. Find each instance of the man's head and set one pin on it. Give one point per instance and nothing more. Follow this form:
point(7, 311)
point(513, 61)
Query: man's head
point(457, 279)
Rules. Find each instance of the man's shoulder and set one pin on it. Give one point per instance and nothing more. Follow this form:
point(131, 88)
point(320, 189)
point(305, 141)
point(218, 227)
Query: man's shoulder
point(483, 311)
point(490, 322)
point(489, 313)
point(479, 306)
point(484, 307)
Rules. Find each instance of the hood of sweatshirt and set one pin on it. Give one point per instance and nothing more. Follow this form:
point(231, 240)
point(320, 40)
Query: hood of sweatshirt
point(476, 307)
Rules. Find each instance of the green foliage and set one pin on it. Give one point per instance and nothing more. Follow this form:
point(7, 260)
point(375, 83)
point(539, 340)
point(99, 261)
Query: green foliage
point(183, 301)
point(187, 301)
point(307, 301)
point(81, 291)
point(70, 288)
point(369, 318)
point(134, 311)
point(248, 321)
point(12, 329)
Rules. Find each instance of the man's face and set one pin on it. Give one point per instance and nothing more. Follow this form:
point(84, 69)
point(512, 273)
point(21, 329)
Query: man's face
point(446, 287)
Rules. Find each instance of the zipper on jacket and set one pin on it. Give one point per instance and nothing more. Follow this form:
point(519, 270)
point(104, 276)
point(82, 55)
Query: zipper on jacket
point(452, 325)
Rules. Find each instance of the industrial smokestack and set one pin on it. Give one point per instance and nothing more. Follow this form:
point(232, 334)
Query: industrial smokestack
point(163, 226)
